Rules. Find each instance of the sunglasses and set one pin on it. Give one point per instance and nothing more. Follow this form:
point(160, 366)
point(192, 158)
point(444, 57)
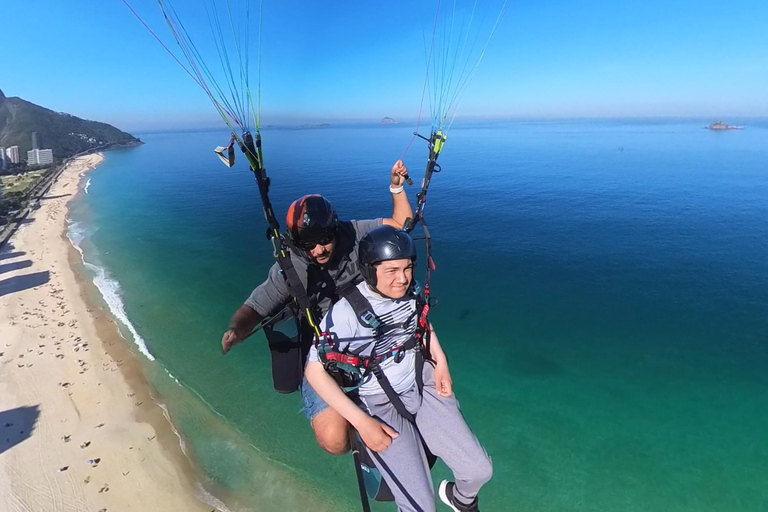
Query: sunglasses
point(309, 245)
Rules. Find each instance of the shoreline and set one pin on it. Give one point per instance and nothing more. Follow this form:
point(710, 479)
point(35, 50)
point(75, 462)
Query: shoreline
point(80, 428)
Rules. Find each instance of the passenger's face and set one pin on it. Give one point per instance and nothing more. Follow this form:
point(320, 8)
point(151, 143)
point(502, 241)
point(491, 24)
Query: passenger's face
point(393, 278)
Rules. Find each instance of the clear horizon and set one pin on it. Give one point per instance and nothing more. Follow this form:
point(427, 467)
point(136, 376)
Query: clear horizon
point(215, 124)
point(362, 62)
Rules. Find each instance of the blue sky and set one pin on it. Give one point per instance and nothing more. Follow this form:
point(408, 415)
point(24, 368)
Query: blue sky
point(363, 60)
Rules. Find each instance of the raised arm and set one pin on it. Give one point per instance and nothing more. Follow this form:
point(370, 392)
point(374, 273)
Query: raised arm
point(401, 207)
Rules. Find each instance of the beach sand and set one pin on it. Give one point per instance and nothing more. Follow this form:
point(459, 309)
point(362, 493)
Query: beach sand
point(79, 430)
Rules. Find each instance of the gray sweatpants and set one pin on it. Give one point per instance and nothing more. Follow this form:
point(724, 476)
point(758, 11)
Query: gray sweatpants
point(404, 464)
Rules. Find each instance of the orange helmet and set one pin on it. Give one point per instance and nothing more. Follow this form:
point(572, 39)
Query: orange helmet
point(311, 219)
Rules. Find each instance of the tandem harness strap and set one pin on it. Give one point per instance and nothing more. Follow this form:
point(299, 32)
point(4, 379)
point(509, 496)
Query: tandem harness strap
point(292, 359)
point(350, 370)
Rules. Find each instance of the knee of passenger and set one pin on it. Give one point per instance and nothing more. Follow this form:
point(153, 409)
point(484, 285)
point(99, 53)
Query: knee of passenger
point(484, 470)
point(333, 444)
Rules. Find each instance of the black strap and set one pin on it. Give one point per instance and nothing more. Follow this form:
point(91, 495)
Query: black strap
point(363, 309)
point(359, 474)
point(367, 318)
point(392, 395)
point(420, 371)
point(295, 287)
point(251, 147)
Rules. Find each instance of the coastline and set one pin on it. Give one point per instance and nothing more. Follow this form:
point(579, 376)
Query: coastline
point(79, 427)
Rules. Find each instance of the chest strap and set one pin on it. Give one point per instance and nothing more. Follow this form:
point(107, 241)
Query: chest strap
point(365, 362)
point(365, 365)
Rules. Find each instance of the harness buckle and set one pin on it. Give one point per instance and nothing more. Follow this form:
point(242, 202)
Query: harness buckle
point(370, 319)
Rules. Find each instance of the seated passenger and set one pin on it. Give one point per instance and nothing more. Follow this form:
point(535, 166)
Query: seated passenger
point(398, 400)
point(323, 254)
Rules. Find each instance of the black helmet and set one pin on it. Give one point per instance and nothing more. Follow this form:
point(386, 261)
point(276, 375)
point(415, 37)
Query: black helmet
point(311, 219)
point(383, 243)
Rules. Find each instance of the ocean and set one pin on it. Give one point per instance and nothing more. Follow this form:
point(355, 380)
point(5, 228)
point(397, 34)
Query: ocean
point(603, 301)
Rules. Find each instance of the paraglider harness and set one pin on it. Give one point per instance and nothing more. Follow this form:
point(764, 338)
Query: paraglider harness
point(350, 370)
point(368, 478)
point(288, 352)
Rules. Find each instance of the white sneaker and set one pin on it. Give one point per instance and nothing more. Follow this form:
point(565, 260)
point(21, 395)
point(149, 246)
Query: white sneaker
point(445, 492)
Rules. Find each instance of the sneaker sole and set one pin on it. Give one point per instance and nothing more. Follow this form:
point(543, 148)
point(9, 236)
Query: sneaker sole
point(444, 496)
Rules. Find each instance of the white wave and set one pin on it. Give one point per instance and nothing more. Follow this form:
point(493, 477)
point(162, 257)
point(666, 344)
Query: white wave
point(210, 499)
point(76, 232)
point(107, 286)
point(172, 376)
point(110, 291)
point(202, 493)
point(167, 415)
point(87, 184)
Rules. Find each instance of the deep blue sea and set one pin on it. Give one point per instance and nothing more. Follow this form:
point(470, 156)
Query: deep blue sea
point(603, 300)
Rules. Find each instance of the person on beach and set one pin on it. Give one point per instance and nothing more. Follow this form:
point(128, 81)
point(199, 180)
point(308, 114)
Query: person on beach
point(410, 403)
point(323, 253)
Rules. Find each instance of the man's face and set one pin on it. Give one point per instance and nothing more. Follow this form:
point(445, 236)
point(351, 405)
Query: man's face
point(321, 253)
point(393, 278)
point(319, 250)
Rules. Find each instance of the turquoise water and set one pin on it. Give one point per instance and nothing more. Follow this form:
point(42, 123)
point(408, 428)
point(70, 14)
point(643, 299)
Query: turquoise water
point(603, 293)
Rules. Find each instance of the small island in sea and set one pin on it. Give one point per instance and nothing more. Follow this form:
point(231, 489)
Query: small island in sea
point(719, 125)
point(388, 120)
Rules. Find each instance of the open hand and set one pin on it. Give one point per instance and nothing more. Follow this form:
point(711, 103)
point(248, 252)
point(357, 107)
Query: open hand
point(399, 171)
point(376, 435)
point(443, 382)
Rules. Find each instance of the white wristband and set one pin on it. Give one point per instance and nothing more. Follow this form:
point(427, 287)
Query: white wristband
point(395, 190)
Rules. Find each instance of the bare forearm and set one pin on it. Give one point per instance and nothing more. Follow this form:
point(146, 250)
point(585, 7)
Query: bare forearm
point(330, 391)
point(435, 350)
point(244, 320)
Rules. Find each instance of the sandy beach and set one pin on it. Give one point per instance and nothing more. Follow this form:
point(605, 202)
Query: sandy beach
point(79, 430)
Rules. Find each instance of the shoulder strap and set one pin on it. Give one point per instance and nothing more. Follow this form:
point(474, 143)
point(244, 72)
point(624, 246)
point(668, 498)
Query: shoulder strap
point(295, 285)
point(363, 309)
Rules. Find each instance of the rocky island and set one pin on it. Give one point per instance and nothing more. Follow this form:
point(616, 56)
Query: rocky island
point(719, 125)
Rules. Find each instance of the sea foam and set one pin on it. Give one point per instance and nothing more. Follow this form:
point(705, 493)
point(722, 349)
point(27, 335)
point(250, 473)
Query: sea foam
point(108, 287)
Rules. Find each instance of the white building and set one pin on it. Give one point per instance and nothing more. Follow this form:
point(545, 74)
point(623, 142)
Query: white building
point(13, 154)
point(39, 157)
point(2, 158)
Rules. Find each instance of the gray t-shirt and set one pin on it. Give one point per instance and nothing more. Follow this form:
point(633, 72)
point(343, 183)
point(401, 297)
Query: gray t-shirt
point(322, 283)
point(341, 321)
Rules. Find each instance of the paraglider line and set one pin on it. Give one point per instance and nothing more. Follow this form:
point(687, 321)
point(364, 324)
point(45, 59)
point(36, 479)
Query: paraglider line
point(426, 81)
point(163, 44)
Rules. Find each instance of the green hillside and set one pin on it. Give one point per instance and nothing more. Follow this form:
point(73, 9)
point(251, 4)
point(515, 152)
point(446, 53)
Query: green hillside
point(65, 134)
